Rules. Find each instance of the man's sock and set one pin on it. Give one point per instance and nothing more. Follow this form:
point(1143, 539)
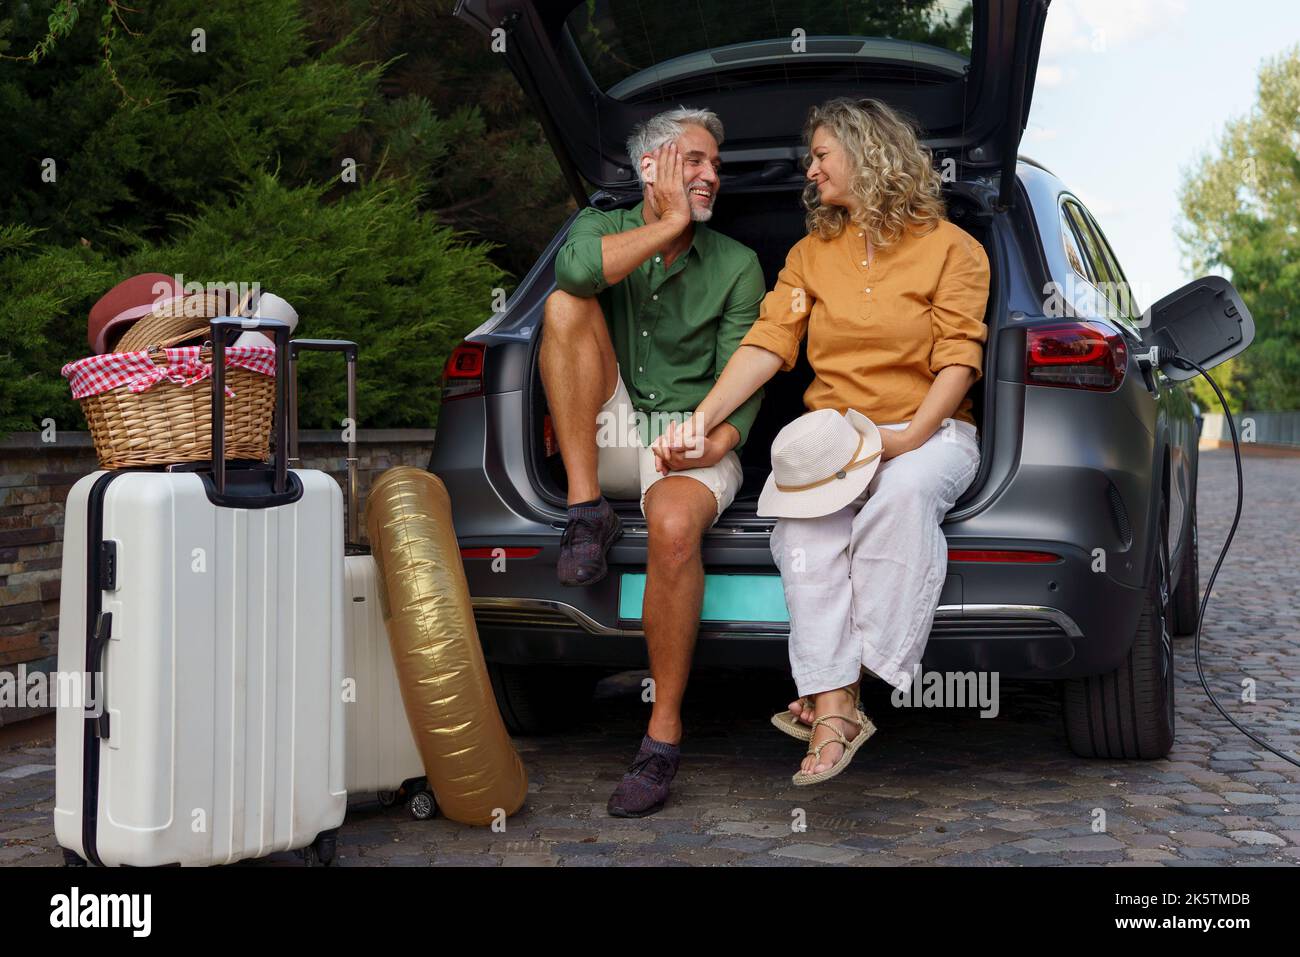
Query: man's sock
point(589, 510)
point(659, 747)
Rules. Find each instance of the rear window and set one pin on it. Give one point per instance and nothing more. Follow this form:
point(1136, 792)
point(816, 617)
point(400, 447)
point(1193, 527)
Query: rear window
point(635, 47)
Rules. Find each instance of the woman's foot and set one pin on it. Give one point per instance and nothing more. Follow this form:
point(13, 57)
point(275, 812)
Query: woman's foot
point(802, 710)
point(839, 701)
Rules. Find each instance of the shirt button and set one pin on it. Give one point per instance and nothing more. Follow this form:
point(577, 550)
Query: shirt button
point(644, 333)
point(652, 395)
point(640, 369)
point(656, 259)
point(864, 262)
point(655, 297)
point(868, 289)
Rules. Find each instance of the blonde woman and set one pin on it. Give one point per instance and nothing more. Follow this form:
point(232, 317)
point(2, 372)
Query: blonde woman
point(891, 298)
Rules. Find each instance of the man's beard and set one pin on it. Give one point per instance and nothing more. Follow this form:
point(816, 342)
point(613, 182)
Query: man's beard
point(701, 214)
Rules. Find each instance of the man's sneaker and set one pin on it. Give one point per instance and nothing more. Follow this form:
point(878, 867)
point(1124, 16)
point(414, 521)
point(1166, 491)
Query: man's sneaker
point(586, 540)
point(644, 787)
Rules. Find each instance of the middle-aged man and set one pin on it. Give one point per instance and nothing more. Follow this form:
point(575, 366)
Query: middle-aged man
point(651, 304)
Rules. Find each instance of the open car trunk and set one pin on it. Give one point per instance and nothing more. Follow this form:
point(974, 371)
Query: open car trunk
point(770, 223)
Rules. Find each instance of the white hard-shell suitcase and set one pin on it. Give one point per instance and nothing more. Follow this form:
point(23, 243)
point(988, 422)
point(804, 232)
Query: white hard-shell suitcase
point(381, 756)
point(210, 599)
point(380, 753)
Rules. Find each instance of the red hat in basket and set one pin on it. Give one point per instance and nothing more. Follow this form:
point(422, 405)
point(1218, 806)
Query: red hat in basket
point(125, 303)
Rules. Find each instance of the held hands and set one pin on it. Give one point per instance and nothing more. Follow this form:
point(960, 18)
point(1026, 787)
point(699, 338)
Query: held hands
point(667, 190)
point(684, 446)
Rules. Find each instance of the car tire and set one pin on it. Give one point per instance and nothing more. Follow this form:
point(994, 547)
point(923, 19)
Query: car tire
point(1187, 593)
point(1129, 713)
point(541, 699)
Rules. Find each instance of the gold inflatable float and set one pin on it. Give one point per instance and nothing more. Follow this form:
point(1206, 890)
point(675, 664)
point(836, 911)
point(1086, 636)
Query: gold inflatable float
point(473, 769)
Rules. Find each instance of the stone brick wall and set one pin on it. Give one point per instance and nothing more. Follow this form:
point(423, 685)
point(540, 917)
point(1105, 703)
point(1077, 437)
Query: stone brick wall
point(34, 482)
point(35, 477)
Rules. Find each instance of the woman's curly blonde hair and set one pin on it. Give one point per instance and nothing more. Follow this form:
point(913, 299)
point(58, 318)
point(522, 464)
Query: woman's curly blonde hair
point(894, 177)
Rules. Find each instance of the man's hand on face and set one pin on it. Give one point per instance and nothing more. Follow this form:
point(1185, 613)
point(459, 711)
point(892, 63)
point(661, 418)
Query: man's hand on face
point(681, 446)
point(668, 191)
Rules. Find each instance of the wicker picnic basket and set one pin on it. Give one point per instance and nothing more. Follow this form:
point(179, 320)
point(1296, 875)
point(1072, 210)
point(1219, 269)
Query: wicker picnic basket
point(169, 423)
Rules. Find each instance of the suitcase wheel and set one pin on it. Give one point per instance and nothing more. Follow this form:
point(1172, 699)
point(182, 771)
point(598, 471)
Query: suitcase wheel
point(321, 851)
point(421, 805)
point(72, 859)
point(388, 798)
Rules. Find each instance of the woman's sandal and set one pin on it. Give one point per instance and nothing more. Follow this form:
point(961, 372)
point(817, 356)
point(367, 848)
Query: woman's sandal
point(787, 722)
point(865, 730)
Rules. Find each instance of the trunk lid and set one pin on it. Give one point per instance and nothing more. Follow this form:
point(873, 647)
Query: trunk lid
point(963, 70)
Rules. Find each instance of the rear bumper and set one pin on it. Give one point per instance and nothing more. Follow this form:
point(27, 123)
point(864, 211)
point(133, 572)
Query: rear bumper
point(531, 631)
point(1054, 620)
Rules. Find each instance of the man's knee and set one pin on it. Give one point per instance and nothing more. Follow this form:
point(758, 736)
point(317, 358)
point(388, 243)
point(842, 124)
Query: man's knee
point(676, 519)
point(565, 313)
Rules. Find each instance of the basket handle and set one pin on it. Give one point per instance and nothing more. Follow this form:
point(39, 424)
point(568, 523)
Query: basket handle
point(222, 330)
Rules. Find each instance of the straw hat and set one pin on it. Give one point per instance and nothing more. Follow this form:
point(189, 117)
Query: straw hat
point(123, 305)
point(821, 462)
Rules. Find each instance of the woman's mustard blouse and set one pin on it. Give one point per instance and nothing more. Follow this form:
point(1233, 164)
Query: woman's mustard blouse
point(878, 332)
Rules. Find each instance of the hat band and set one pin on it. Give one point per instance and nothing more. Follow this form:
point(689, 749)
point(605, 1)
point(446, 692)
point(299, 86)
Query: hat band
point(841, 473)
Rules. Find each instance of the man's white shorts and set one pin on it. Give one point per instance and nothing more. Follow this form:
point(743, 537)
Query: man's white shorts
point(626, 469)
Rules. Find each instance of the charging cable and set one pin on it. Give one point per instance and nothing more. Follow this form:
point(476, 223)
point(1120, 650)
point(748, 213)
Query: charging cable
point(1153, 358)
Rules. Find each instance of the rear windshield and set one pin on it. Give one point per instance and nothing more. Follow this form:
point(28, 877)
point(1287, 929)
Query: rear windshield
point(631, 46)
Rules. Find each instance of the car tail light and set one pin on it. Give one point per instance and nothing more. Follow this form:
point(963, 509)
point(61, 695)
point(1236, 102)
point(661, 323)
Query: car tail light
point(999, 555)
point(1076, 355)
point(462, 376)
point(498, 552)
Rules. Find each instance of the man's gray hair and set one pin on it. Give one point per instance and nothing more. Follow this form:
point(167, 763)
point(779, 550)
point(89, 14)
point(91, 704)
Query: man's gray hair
point(664, 128)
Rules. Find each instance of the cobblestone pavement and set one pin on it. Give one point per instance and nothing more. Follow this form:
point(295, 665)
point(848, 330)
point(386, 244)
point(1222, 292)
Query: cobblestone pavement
point(933, 787)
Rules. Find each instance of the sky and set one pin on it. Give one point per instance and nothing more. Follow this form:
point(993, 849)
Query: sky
point(1129, 93)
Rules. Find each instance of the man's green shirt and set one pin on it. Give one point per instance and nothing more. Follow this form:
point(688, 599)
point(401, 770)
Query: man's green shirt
point(673, 329)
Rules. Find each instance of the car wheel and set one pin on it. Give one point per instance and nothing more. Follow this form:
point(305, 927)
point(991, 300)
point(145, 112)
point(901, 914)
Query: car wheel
point(541, 699)
point(1129, 713)
point(1187, 593)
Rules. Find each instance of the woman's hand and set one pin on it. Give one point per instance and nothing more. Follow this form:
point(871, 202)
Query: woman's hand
point(895, 442)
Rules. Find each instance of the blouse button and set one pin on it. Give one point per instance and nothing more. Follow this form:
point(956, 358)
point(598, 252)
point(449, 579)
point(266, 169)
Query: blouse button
point(864, 262)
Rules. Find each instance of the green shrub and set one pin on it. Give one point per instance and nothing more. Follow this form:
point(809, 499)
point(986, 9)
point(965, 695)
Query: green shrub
point(224, 166)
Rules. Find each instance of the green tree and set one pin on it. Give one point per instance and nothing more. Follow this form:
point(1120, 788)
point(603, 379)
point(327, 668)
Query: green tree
point(172, 127)
point(207, 139)
point(453, 118)
point(1242, 209)
point(370, 267)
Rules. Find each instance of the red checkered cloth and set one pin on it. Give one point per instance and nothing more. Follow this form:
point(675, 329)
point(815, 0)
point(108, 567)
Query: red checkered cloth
point(136, 371)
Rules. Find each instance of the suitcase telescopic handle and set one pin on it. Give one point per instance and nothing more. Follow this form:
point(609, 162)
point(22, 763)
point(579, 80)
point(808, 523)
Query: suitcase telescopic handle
point(222, 330)
point(349, 350)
